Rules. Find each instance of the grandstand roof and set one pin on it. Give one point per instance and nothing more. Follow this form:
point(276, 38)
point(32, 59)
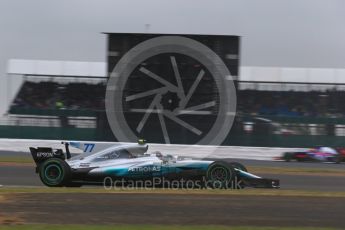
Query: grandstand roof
point(247, 73)
point(298, 75)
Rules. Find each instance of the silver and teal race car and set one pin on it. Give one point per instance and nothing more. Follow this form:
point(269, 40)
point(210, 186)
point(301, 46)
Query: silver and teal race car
point(128, 164)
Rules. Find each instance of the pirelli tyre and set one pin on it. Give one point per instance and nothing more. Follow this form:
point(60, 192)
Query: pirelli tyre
point(55, 172)
point(288, 156)
point(338, 159)
point(220, 175)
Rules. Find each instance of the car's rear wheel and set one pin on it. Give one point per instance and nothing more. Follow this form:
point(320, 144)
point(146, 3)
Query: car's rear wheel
point(220, 175)
point(54, 172)
point(288, 156)
point(338, 159)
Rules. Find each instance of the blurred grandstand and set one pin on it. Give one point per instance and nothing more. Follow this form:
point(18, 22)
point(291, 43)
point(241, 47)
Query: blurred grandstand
point(37, 94)
point(289, 113)
point(55, 95)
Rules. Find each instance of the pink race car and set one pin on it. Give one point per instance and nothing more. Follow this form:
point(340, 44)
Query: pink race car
point(317, 154)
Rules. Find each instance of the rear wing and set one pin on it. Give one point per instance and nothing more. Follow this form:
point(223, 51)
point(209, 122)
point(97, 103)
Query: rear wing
point(41, 154)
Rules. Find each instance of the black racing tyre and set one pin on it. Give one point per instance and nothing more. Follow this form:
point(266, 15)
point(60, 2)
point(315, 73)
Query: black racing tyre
point(288, 156)
point(339, 159)
point(220, 175)
point(238, 166)
point(55, 172)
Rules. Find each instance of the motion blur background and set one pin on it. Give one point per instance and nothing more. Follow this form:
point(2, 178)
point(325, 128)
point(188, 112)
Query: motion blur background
point(291, 81)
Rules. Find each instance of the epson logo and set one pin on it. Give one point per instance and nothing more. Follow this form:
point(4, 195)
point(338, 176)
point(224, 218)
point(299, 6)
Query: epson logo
point(145, 169)
point(45, 154)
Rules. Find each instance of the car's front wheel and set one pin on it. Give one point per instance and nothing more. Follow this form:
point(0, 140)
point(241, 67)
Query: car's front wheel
point(54, 172)
point(220, 175)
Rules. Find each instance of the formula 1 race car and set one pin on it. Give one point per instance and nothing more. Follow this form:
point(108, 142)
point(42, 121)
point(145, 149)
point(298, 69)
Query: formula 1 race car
point(317, 154)
point(124, 163)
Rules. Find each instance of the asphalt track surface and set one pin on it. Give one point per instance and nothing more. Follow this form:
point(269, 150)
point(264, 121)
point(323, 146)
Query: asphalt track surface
point(180, 209)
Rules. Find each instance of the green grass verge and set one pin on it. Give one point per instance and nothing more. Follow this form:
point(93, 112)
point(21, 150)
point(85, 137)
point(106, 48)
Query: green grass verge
point(243, 192)
point(147, 227)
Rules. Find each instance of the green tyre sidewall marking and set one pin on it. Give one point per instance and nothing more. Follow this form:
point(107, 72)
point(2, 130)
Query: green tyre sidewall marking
point(43, 173)
point(52, 166)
